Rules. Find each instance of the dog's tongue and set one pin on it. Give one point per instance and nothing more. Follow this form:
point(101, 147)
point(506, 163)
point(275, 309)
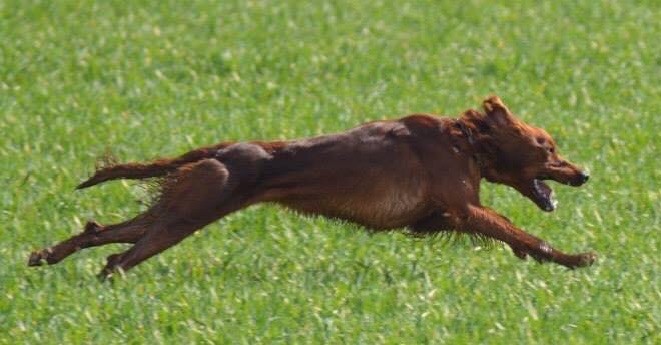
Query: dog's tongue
point(544, 195)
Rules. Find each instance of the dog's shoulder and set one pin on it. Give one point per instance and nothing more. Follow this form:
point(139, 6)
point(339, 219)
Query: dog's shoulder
point(408, 125)
point(423, 120)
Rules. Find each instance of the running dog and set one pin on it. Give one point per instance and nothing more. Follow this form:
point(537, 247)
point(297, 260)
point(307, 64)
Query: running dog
point(420, 173)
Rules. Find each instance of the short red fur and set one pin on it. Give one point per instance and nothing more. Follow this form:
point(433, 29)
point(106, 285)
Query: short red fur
point(420, 173)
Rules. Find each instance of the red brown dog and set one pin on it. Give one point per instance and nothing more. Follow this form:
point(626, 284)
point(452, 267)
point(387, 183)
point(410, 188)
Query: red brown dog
point(421, 173)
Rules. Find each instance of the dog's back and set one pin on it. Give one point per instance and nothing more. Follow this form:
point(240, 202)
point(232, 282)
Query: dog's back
point(370, 175)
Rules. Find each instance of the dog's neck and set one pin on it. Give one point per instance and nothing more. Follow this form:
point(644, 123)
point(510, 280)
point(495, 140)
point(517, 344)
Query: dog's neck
point(473, 126)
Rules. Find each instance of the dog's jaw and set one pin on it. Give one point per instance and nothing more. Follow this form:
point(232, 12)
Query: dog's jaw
point(543, 196)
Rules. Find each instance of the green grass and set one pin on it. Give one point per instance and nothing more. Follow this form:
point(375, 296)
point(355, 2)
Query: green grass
point(144, 79)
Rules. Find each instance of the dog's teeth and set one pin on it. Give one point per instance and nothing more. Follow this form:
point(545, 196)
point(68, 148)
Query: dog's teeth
point(536, 185)
point(554, 202)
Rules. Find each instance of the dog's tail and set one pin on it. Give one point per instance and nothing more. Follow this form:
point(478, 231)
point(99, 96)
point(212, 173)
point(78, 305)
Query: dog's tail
point(157, 168)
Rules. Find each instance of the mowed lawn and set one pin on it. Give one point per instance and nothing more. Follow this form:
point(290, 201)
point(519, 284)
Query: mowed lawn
point(147, 78)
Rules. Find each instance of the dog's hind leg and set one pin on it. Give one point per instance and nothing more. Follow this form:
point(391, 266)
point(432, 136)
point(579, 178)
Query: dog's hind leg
point(159, 238)
point(486, 222)
point(94, 235)
point(191, 185)
point(198, 195)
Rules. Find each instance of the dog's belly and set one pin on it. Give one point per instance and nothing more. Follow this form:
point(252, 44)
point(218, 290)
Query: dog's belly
point(368, 205)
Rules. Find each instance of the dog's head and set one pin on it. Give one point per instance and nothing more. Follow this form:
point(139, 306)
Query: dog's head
point(521, 156)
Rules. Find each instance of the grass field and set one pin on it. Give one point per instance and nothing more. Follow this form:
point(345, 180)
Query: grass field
point(149, 78)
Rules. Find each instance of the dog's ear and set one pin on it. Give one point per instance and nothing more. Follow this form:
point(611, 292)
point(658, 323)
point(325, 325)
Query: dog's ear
point(497, 112)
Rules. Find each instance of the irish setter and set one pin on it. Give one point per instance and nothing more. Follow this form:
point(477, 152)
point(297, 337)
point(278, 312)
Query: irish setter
point(420, 173)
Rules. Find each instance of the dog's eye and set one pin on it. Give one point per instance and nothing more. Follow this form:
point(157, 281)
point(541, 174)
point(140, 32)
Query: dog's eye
point(551, 149)
point(541, 141)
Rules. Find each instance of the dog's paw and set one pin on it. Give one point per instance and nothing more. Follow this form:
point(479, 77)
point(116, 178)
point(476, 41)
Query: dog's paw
point(587, 259)
point(39, 257)
point(582, 260)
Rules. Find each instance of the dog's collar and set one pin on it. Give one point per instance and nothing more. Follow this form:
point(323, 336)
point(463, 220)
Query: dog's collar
point(468, 133)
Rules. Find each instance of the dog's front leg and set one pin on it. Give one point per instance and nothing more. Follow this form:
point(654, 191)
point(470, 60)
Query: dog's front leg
point(486, 222)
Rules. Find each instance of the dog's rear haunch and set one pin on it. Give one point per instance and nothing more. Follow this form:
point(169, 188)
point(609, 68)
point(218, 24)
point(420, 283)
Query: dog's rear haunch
point(420, 173)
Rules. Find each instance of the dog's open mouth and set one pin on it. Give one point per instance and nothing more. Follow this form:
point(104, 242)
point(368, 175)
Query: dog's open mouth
point(543, 195)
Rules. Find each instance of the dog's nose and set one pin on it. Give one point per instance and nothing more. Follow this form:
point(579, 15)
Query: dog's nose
point(582, 178)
